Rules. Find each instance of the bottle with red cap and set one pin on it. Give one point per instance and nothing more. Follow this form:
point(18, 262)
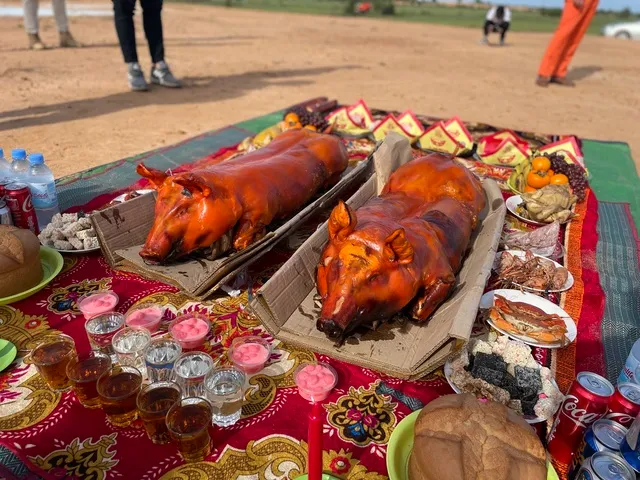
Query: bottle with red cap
point(586, 402)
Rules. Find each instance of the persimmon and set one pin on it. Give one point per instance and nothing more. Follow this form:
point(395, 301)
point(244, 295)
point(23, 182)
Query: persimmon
point(529, 189)
point(559, 179)
point(537, 179)
point(541, 164)
point(292, 118)
point(311, 127)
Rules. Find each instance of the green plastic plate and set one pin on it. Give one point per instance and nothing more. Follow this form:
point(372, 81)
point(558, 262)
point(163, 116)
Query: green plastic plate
point(401, 444)
point(52, 263)
point(8, 353)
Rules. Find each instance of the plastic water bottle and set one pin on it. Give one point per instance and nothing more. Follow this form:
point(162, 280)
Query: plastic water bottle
point(19, 165)
point(628, 373)
point(5, 168)
point(43, 190)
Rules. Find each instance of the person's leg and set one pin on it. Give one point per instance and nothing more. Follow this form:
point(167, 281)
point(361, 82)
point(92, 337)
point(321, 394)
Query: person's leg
point(488, 26)
point(588, 12)
point(568, 26)
point(30, 9)
point(123, 11)
point(503, 31)
point(152, 21)
point(60, 14)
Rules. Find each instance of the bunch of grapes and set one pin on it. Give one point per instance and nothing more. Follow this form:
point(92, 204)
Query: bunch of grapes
point(574, 173)
point(308, 118)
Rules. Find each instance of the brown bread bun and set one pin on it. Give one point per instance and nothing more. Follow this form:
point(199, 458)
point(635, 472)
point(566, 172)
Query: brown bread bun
point(458, 437)
point(20, 267)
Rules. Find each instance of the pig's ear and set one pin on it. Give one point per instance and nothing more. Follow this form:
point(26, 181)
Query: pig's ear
point(341, 222)
point(397, 248)
point(155, 177)
point(194, 184)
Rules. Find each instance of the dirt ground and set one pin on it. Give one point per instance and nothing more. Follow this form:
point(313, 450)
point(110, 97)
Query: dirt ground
point(75, 107)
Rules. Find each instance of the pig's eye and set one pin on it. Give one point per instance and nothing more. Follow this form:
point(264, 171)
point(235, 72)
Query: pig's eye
point(372, 276)
point(186, 192)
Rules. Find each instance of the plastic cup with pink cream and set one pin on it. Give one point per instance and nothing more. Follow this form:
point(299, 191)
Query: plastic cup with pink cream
point(190, 329)
point(250, 354)
point(315, 380)
point(94, 304)
point(146, 315)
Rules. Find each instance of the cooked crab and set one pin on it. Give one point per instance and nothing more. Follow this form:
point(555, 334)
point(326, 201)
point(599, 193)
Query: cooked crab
point(532, 272)
point(526, 320)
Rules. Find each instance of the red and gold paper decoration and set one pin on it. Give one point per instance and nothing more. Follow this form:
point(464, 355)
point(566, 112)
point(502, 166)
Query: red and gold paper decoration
point(504, 148)
point(568, 147)
point(390, 124)
point(354, 120)
point(438, 139)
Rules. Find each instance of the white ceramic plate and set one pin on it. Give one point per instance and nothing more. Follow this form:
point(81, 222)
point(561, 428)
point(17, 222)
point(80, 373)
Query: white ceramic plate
point(520, 253)
point(78, 251)
point(121, 198)
point(512, 203)
point(545, 305)
point(448, 372)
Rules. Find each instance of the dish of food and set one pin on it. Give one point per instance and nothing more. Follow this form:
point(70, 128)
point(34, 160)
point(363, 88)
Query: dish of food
point(532, 272)
point(52, 264)
point(503, 370)
point(529, 318)
point(240, 197)
point(129, 196)
point(70, 233)
point(549, 204)
point(513, 205)
point(401, 445)
point(410, 241)
point(542, 241)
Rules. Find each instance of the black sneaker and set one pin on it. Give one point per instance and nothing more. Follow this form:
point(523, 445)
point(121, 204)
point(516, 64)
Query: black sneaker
point(136, 78)
point(161, 75)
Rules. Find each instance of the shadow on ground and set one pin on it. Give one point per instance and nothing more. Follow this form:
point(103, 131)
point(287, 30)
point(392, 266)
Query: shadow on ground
point(580, 73)
point(197, 90)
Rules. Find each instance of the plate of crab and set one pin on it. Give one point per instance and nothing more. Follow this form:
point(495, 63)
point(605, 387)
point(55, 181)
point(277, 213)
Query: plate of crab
point(528, 318)
point(532, 272)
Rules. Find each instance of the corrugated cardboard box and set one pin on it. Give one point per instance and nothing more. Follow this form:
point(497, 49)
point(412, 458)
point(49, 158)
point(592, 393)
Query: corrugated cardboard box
point(122, 230)
point(288, 305)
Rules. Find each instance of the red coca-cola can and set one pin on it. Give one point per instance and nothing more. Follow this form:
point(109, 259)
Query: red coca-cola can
point(587, 401)
point(3, 187)
point(624, 405)
point(18, 198)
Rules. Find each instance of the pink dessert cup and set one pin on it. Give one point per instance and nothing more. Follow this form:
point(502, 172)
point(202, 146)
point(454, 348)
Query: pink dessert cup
point(190, 329)
point(145, 315)
point(315, 384)
point(250, 353)
point(97, 303)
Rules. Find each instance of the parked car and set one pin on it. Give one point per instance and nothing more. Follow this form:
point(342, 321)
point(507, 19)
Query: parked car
point(626, 30)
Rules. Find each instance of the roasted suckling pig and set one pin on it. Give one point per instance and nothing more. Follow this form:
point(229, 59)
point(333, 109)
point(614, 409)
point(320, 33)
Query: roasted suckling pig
point(240, 196)
point(400, 249)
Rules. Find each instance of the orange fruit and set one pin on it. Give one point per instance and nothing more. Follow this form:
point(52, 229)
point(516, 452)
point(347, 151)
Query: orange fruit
point(541, 164)
point(311, 127)
point(559, 179)
point(291, 118)
point(529, 189)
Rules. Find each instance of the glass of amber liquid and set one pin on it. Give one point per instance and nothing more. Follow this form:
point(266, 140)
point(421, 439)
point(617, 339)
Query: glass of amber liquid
point(154, 402)
point(118, 388)
point(51, 354)
point(188, 423)
point(84, 371)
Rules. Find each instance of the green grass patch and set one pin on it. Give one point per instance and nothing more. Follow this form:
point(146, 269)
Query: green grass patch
point(460, 16)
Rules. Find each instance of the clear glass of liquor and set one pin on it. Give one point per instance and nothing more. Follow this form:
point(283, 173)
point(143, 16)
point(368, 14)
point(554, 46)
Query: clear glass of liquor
point(225, 391)
point(129, 345)
point(101, 330)
point(160, 357)
point(189, 372)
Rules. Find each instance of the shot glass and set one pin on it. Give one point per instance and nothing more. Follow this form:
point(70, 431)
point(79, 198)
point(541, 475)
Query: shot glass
point(154, 402)
point(190, 371)
point(188, 424)
point(160, 357)
point(84, 371)
point(225, 391)
point(101, 330)
point(51, 354)
point(129, 345)
point(118, 388)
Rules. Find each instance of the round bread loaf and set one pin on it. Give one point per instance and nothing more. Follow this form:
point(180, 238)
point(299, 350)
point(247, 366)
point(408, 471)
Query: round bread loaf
point(20, 266)
point(458, 437)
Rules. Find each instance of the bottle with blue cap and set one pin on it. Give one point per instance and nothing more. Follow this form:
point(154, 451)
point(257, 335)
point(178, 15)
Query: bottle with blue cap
point(43, 190)
point(5, 168)
point(19, 165)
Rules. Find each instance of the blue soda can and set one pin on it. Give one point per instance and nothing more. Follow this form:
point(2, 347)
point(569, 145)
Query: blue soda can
point(630, 448)
point(605, 466)
point(603, 436)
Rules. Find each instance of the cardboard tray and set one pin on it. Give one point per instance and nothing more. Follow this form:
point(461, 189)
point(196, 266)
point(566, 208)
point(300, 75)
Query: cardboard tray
point(288, 305)
point(122, 230)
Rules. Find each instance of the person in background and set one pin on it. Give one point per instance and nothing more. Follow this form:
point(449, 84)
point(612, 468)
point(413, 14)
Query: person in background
point(498, 20)
point(152, 22)
point(31, 24)
point(575, 20)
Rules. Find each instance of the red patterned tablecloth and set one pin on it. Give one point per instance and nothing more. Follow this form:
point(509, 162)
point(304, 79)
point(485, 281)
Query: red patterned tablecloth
point(58, 438)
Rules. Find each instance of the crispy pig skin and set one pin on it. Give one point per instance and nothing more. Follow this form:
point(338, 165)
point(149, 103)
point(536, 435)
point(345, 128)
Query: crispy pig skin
point(242, 195)
point(401, 249)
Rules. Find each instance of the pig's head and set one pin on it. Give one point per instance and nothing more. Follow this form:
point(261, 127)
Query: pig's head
point(189, 215)
point(363, 275)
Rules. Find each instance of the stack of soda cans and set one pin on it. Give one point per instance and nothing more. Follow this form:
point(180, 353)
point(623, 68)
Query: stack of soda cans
point(593, 430)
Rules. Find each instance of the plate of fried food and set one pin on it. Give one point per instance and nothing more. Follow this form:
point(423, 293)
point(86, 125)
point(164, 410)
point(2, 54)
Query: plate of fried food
point(532, 272)
point(529, 318)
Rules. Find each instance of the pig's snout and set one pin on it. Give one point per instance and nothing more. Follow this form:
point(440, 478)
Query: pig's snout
point(157, 250)
point(329, 327)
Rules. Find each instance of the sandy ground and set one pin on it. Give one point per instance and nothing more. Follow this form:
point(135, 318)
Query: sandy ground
point(75, 107)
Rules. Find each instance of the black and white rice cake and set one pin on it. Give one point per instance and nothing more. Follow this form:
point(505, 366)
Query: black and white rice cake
point(504, 370)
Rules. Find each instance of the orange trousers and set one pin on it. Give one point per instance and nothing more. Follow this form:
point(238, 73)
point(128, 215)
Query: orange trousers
point(571, 29)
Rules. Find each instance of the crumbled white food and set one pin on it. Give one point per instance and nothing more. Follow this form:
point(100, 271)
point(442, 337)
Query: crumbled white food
point(77, 243)
point(69, 217)
point(62, 245)
point(85, 222)
point(71, 229)
point(58, 234)
point(480, 346)
point(91, 242)
point(84, 234)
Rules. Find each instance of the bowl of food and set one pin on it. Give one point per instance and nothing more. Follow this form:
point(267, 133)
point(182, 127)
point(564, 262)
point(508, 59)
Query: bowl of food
point(250, 353)
point(190, 329)
point(145, 315)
